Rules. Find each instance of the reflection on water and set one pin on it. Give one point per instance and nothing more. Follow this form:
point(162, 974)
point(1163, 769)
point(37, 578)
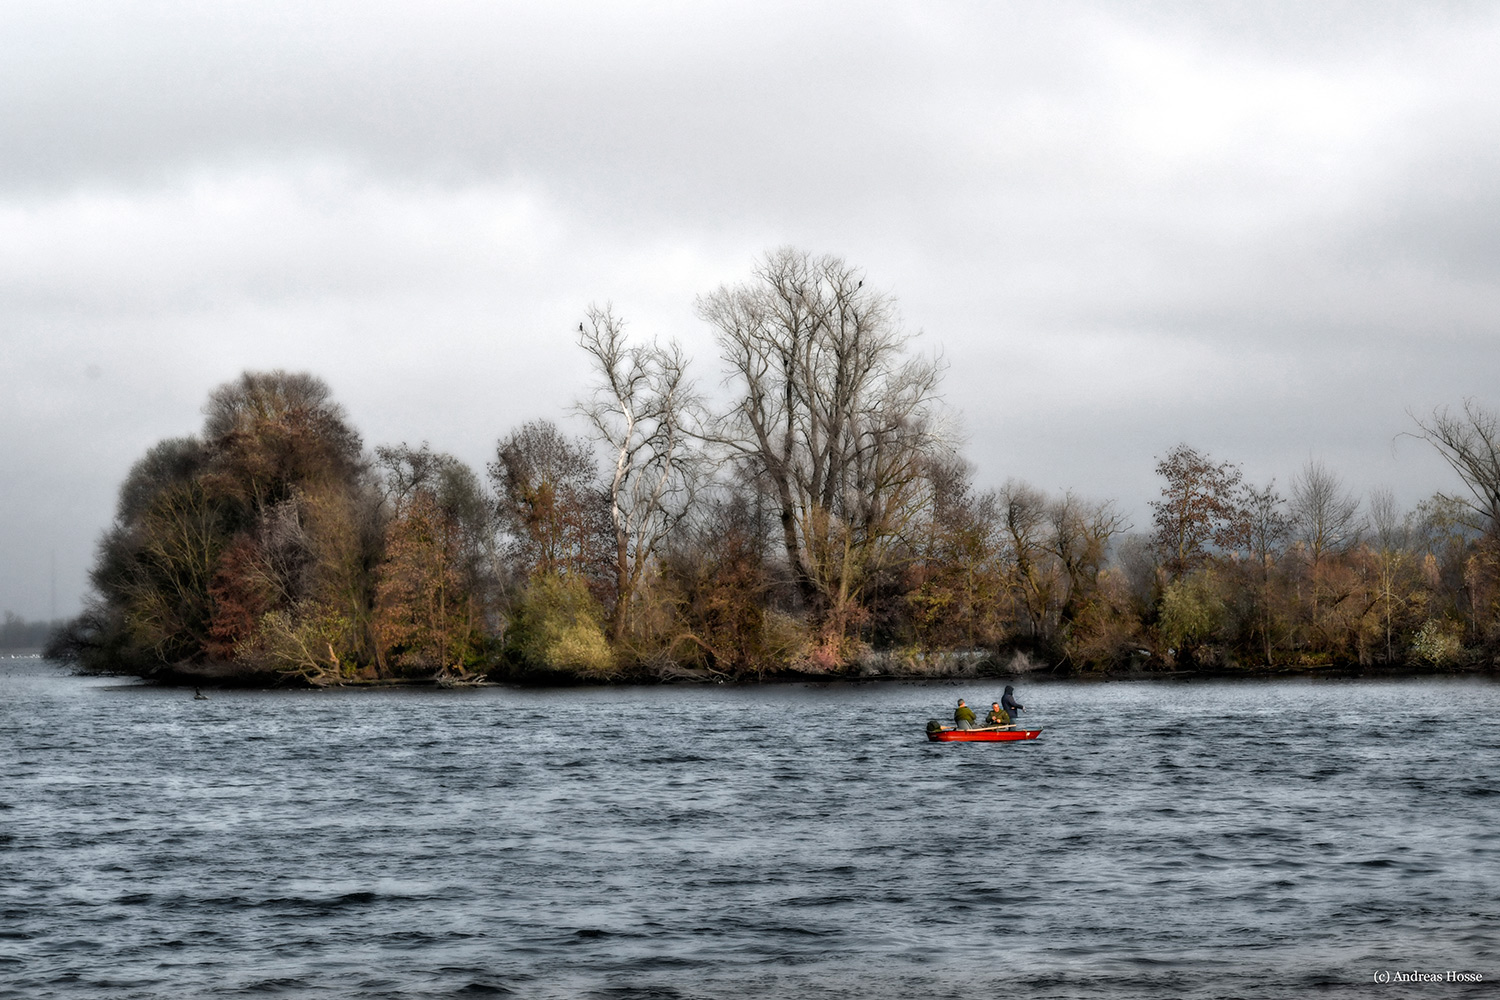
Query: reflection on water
point(1158, 840)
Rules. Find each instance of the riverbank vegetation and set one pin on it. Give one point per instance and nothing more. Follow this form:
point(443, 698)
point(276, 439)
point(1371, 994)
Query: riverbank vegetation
point(817, 521)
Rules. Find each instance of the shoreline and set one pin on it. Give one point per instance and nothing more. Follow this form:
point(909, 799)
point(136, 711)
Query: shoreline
point(221, 677)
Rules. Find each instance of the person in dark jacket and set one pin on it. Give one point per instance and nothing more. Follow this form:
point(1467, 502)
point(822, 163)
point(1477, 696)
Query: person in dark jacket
point(1009, 703)
point(963, 716)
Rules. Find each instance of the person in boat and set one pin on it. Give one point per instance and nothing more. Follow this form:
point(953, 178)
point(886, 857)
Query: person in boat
point(1008, 702)
point(997, 717)
point(963, 716)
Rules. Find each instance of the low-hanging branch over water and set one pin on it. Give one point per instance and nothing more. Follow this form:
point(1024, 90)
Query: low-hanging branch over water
point(821, 522)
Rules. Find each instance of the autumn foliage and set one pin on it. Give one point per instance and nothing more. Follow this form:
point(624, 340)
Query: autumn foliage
point(821, 524)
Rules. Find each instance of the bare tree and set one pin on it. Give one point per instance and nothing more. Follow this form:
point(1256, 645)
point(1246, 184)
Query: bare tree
point(1023, 512)
point(1325, 522)
point(1392, 549)
point(1324, 513)
point(1080, 537)
point(1266, 526)
point(1265, 520)
point(832, 410)
point(1470, 443)
point(644, 409)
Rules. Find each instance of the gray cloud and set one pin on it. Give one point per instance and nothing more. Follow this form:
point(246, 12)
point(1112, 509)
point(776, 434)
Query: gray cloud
point(1261, 228)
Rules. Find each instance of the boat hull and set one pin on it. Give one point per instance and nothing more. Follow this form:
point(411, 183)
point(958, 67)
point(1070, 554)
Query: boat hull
point(982, 735)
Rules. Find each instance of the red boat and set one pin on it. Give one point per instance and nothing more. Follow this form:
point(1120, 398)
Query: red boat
point(988, 734)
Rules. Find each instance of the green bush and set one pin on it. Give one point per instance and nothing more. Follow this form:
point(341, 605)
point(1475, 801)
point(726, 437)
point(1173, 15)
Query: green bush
point(1192, 613)
point(558, 626)
point(1439, 642)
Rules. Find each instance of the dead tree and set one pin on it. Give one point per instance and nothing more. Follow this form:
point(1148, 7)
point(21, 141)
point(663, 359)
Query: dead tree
point(833, 411)
point(644, 409)
point(1470, 443)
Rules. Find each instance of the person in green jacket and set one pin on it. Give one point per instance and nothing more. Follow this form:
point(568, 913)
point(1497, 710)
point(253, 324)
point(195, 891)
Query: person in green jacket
point(997, 717)
point(963, 716)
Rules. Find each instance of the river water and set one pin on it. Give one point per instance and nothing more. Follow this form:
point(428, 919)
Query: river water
point(1160, 840)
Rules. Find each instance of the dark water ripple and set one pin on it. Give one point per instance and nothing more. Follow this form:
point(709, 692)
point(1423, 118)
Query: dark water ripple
point(1160, 840)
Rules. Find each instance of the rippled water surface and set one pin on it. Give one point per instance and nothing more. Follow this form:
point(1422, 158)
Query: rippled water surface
point(1216, 839)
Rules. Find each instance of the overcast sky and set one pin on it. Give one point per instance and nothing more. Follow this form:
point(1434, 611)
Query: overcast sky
point(1266, 229)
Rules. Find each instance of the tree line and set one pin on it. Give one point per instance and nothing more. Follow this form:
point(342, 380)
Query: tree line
point(818, 521)
point(17, 634)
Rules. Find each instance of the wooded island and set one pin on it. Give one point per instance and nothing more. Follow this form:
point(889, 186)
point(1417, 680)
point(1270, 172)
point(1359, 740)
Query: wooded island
point(820, 522)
